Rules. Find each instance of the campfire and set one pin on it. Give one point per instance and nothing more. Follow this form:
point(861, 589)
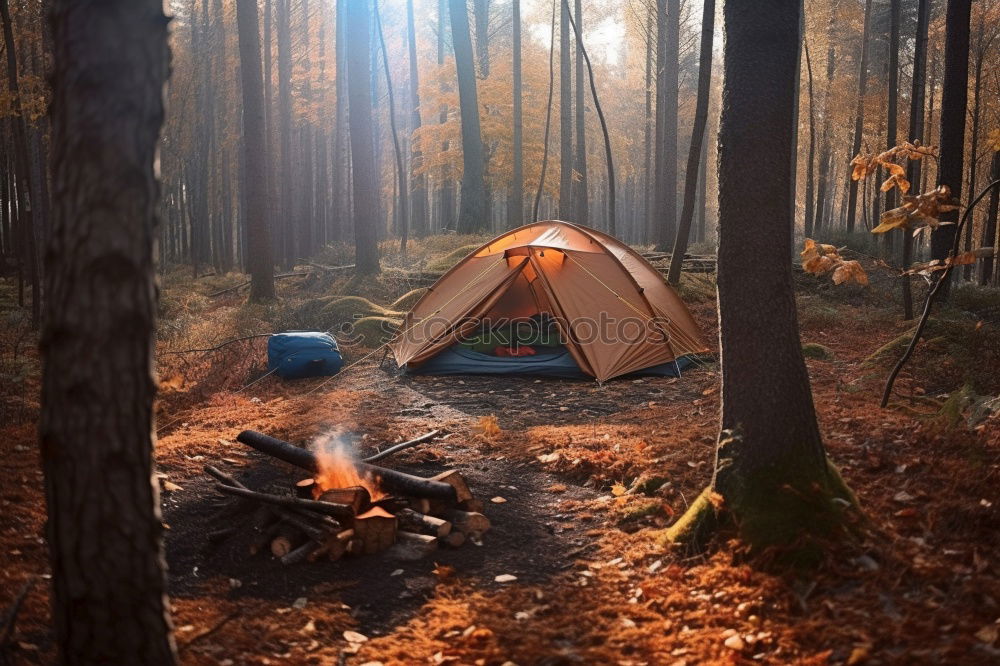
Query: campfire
point(352, 508)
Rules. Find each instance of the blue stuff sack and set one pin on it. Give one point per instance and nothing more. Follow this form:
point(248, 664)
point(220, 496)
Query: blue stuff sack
point(303, 354)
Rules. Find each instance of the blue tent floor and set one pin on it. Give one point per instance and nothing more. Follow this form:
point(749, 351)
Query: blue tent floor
point(459, 360)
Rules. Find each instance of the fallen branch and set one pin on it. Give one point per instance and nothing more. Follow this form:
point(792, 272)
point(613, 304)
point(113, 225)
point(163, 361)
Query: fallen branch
point(217, 347)
point(401, 447)
point(931, 296)
point(325, 508)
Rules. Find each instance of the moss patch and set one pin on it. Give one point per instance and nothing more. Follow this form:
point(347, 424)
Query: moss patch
point(442, 264)
point(817, 351)
point(408, 300)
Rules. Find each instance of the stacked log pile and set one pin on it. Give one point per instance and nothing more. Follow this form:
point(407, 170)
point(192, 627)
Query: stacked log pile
point(412, 518)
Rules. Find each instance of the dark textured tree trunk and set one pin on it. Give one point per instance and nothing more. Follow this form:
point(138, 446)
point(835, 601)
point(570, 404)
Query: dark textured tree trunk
point(28, 254)
point(472, 214)
point(977, 91)
point(811, 157)
point(515, 210)
point(822, 218)
point(580, 192)
point(990, 227)
point(859, 115)
point(418, 193)
point(259, 260)
point(892, 112)
point(697, 137)
point(916, 133)
point(566, 211)
point(286, 201)
point(104, 528)
point(954, 106)
point(342, 200)
point(701, 227)
point(364, 177)
point(665, 227)
point(771, 468)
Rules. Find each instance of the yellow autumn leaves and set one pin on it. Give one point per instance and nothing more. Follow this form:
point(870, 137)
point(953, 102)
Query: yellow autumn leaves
point(820, 258)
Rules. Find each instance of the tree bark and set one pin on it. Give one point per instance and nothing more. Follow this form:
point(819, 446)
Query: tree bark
point(811, 157)
point(916, 133)
point(286, 201)
point(823, 184)
point(515, 212)
point(418, 193)
point(472, 213)
point(104, 529)
point(771, 468)
point(666, 227)
point(892, 112)
point(954, 106)
point(259, 259)
point(446, 206)
point(364, 177)
point(566, 211)
point(990, 227)
point(580, 193)
point(859, 115)
point(697, 137)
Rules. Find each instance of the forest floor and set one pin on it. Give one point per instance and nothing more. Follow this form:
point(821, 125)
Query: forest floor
point(594, 582)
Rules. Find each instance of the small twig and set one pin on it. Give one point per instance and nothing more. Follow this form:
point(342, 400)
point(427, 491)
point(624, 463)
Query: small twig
point(217, 347)
point(929, 302)
point(205, 634)
point(402, 446)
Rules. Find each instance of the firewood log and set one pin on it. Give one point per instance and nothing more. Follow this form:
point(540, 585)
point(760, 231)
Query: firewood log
point(410, 546)
point(287, 539)
point(469, 522)
point(376, 528)
point(413, 521)
point(304, 488)
point(453, 539)
point(325, 508)
point(472, 505)
point(456, 481)
point(391, 480)
point(355, 497)
point(301, 553)
point(338, 544)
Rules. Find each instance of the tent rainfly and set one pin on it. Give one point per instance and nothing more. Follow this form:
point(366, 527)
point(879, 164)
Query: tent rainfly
point(614, 313)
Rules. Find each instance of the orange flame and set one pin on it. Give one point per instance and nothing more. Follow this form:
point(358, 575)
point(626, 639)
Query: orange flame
point(337, 470)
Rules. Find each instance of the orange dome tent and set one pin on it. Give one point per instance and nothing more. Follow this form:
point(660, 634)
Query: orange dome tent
point(614, 312)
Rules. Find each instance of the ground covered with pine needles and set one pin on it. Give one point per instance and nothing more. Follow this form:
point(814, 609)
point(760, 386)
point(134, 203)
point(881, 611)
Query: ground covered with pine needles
point(596, 472)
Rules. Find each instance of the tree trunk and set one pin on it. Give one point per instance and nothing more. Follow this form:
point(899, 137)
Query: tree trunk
point(666, 227)
point(648, 173)
point(364, 177)
point(892, 113)
point(418, 194)
point(259, 259)
point(697, 137)
point(954, 103)
point(977, 90)
point(859, 115)
point(22, 170)
point(990, 228)
point(916, 133)
point(565, 118)
point(446, 207)
point(481, 11)
point(548, 116)
point(771, 468)
point(580, 193)
point(286, 226)
point(515, 210)
point(104, 528)
point(823, 184)
point(811, 157)
point(472, 214)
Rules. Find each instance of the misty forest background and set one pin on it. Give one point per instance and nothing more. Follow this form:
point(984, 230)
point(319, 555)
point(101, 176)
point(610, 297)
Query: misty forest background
point(871, 75)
